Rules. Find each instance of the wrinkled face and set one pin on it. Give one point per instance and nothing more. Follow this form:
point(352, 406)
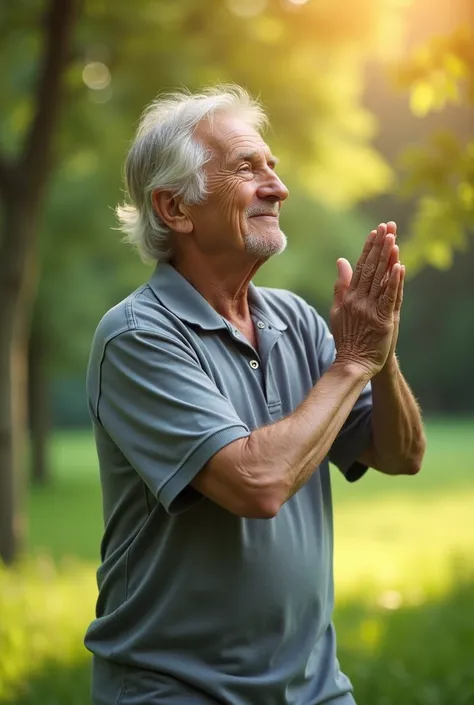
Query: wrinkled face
point(245, 194)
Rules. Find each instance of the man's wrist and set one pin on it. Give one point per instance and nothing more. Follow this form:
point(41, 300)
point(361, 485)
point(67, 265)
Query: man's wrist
point(391, 367)
point(357, 371)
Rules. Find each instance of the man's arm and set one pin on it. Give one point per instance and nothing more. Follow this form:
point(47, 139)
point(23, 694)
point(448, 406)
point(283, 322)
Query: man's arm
point(398, 440)
point(256, 475)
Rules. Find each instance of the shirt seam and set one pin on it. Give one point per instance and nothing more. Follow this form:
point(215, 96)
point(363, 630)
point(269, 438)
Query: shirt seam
point(136, 535)
point(118, 611)
point(130, 325)
point(122, 688)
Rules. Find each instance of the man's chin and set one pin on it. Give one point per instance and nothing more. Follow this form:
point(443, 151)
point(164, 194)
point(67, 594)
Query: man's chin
point(265, 245)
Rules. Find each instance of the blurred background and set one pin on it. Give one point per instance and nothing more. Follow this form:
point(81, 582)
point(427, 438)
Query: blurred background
point(371, 105)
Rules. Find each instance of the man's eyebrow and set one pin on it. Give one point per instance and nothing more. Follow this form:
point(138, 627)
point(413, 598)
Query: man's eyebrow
point(252, 155)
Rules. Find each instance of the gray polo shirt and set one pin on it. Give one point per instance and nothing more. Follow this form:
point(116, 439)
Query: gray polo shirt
point(197, 605)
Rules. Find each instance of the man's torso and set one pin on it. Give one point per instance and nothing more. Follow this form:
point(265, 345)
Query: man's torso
point(236, 610)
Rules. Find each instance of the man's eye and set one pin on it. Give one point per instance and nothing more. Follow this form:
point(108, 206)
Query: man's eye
point(245, 167)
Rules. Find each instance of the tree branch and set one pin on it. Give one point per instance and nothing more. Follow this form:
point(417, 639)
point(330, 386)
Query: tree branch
point(59, 23)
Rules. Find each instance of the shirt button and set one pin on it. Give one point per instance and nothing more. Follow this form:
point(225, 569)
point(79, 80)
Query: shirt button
point(260, 324)
point(236, 333)
point(254, 364)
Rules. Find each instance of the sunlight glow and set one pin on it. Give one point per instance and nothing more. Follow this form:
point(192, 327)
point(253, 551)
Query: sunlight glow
point(246, 8)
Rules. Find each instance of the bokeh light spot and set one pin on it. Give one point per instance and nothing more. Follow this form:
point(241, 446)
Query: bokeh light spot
point(96, 75)
point(390, 600)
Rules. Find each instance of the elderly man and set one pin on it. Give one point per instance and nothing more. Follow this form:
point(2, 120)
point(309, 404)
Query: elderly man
point(217, 406)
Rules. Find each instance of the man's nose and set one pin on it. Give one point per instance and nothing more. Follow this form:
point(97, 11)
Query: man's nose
point(273, 186)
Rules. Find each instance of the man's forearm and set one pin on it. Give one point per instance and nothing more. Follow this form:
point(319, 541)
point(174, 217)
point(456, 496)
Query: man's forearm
point(295, 446)
point(398, 442)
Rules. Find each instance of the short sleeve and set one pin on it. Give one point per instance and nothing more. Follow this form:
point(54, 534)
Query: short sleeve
point(355, 435)
point(163, 412)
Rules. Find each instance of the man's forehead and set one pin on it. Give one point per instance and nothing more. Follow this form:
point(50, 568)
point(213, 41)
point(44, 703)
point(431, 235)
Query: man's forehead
point(227, 136)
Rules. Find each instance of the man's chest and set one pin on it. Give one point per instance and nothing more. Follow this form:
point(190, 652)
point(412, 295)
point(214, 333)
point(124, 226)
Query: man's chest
point(264, 382)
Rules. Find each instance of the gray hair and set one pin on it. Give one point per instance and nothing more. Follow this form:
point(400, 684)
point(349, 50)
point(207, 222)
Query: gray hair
point(165, 155)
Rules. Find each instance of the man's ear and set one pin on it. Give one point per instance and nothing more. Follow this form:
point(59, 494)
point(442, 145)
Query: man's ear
point(172, 211)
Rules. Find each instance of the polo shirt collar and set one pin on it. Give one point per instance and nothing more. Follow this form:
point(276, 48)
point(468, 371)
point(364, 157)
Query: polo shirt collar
point(182, 299)
point(259, 305)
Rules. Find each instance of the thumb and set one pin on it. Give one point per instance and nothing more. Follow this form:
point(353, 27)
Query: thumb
point(344, 276)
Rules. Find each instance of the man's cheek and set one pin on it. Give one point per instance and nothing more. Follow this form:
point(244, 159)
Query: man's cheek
point(229, 201)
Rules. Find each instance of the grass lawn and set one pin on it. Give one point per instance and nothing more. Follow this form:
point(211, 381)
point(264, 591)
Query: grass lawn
point(404, 563)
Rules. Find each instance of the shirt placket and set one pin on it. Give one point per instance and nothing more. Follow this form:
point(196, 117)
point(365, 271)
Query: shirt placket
point(267, 339)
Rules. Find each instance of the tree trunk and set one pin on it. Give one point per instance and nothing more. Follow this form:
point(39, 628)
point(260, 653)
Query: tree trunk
point(9, 521)
point(22, 187)
point(16, 294)
point(38, 404)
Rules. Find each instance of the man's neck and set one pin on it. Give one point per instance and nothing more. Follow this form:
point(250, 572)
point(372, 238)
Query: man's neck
point(223, 285)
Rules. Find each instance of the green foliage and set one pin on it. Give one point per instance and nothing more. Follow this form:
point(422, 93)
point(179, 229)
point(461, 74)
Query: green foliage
point(415, 654)
point(437, 337)
point(440, 173)
point(405, 609)
point(44, 610)
point(440, 72)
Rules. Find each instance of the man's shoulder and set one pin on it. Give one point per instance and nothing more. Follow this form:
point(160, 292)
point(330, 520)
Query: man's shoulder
point(139, 311)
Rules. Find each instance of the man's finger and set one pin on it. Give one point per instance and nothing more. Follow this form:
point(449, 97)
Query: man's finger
point(344, 275)
point(383, 266)
point(399, 300)
point(395, 256)
point(384, 283)
point(361, 261)
point(371, 263)
point(393, 259)
point(392, 228)
point(390, 296)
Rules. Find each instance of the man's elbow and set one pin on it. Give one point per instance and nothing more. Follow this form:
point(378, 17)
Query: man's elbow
point(240, 486)
point(407, 462)
point(413, 467)
point(260, 504)
point(263, 493)
point(260, 510)
point(415, 461)
point(250, 505)
point(263, 490)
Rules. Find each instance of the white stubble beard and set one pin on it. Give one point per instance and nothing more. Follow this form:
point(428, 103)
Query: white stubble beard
point(265, 245)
